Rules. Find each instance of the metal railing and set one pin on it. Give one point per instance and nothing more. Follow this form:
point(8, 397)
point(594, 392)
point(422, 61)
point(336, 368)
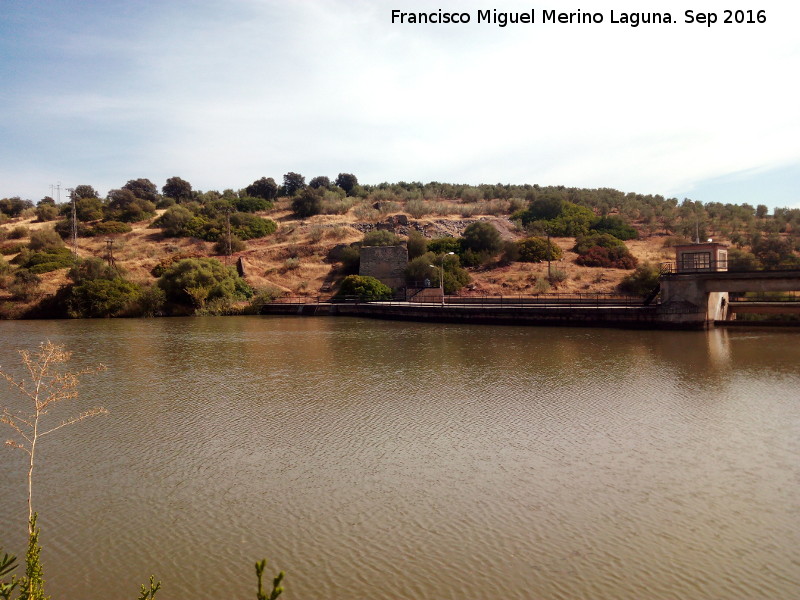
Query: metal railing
point(729, 266)
point(551, 299)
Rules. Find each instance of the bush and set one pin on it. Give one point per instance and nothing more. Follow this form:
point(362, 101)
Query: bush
point(420, 269)
point(584, 242)
point(381, 237)
point(125, 206)
point(444, 245)
point(89, 209)
point(615, 226)
point(236, 245)
point(44, 261)
point(196, 281)
point(482, 237)
point(249, 227)
point(107, 228)
point(25, 285)
point(365, 288)
point(536, 249)
point(19, 232)
point(42, 239)
point(417, 244)
point(102, 297)
point(308, 203)
point(14, 207)
point(46, 212)
point(642, 281)
point(598, 256)
point(251, 204)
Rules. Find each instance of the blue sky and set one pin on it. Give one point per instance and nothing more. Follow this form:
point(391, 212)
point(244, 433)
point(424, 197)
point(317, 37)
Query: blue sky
point(223, 93)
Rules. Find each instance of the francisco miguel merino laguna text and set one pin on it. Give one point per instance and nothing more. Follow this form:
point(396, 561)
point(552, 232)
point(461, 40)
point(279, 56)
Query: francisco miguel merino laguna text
point(633, 19)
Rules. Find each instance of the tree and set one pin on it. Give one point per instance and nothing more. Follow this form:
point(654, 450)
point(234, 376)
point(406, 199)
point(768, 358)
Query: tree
point(365, 288)
point(46, 209)
point(347, 181)
point(535, 249)
point(13, 207)
point(320, 182)
point(762, 210)
point(126, 206)
point(88, 209)
point(45, 238)
point(482, 237)
point(178, 189)
point(84, 191)
point(46, 388)
point(143, 189)
point(293, 183)
point(773, 250)
point(308, 203)
point(196, 281)
point(642, 281)
point(265, 188)
point(417, 244)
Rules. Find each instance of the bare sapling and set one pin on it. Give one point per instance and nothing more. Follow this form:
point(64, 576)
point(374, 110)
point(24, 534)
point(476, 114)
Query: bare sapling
point(44, 388)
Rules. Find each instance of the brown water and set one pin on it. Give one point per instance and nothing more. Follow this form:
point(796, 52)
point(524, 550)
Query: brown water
point(382, 460)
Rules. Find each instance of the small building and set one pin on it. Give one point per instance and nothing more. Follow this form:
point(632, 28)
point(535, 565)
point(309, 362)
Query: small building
point(694, 258)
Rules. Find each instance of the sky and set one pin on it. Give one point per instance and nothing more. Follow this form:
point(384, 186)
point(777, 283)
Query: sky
point(99, 92)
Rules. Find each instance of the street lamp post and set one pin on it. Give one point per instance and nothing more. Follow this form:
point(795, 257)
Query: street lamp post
point(441, 273)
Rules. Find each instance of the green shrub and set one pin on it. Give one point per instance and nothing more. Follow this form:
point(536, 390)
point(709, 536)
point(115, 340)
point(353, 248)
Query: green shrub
point(420, 269)
point(125, 206)
point(615, 226)
point(236, 244)
point(364, 287)
point(25, 285)
point(249, 227)
point(417, 244)
point(196, 281)
point(8, 249)
point(46, 212)
point(89, 209)
point(174, 221)
point(482, 237)
point(44, 261)
point(308, 203)
point(45, 238)
point(251, 204)
point(19, 232)
point(107, 228)
point(584, 242)
point(102, 298)
point(444, 245)
point(556, 217)
point(642, 281)
point(536, 249)
point(381, 237)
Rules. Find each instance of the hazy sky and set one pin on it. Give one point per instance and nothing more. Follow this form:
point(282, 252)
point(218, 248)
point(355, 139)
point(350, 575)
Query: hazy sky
point(222, 93)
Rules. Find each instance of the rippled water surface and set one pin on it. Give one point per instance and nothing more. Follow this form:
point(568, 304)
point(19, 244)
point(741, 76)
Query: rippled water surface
point(384, 460)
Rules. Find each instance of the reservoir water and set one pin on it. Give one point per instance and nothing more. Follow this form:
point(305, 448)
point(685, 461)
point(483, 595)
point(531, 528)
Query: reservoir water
point(383, 460)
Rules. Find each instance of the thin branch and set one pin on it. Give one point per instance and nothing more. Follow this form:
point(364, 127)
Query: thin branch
point(84, 415)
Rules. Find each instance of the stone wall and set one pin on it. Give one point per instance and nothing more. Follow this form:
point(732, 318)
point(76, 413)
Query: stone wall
point(385, 263)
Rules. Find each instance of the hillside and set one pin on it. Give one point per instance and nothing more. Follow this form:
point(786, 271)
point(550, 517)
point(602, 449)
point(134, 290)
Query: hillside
point(295, 259)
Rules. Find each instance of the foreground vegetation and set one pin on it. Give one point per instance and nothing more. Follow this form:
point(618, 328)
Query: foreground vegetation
point(47, 386)
point(173, 251)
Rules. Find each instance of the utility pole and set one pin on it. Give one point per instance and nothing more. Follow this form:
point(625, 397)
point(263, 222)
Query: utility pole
point(110, 253)
point(74, 228)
